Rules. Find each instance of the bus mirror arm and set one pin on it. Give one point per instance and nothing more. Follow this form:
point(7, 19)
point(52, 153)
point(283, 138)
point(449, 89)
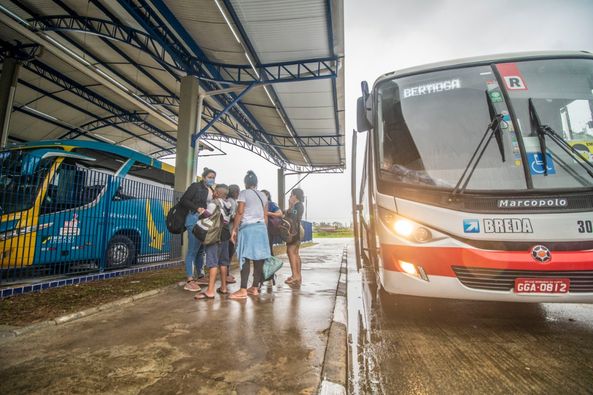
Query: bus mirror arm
point(362, 121)
point(362, 114)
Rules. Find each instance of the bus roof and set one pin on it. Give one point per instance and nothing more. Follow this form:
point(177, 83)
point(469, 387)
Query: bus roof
point(99, 146)
point(487, 59)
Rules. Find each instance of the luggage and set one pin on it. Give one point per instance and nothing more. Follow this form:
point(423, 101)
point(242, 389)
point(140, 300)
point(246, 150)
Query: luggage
point(271, 266)
point(176, 219)
point(288, 230)
point(208, 230)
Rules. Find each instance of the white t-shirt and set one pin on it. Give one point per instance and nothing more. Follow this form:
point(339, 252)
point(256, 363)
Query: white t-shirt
point(254, 205)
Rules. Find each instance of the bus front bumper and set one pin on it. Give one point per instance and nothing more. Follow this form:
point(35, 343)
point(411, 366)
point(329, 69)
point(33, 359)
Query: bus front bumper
point(451, 288)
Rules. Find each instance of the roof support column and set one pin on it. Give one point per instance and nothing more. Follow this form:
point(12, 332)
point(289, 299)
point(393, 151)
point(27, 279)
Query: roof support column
point(8, 83)
point(191, 100)
point(190, 115)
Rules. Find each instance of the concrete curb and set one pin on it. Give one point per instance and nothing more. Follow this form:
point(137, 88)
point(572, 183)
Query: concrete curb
point(334, 373)
point(84, 313)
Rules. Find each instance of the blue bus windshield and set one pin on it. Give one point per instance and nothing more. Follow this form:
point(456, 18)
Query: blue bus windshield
point(21, 174)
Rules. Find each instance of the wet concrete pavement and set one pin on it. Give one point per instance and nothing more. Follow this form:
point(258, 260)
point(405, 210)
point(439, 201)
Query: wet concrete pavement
point(171, 344)
point(409, 345)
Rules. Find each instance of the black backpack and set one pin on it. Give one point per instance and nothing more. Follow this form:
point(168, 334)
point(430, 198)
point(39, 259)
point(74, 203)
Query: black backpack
point(287, 230)
point(176, 219)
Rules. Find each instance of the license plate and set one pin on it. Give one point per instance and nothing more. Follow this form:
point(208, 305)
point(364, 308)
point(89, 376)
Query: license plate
point(542, 285)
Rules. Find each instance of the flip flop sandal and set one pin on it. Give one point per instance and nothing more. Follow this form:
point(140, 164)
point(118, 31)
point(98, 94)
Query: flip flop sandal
point(202, 295)
point(220, 291)
point(237, 297)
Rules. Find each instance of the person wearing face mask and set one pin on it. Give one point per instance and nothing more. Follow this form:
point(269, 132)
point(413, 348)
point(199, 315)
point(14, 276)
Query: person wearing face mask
point(195, 200)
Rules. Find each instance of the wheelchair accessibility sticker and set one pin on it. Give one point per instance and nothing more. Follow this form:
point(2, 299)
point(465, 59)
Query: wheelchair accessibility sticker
point(536, 163)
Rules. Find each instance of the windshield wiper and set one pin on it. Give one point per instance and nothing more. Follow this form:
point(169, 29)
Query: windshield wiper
point(545, 130)
point(493, 129)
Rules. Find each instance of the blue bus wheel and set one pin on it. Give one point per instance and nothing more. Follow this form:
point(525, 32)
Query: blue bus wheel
point(121, 251)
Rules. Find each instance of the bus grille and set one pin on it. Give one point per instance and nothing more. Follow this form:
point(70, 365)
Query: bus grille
point(504, 280)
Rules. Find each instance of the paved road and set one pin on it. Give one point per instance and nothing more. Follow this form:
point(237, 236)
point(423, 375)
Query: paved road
point(172, 344)
point(408, 345)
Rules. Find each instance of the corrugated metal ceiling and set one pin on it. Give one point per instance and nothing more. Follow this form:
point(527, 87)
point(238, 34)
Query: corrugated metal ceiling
point(233, 32)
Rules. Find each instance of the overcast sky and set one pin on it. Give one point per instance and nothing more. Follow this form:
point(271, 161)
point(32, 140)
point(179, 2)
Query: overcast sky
point(387, 35)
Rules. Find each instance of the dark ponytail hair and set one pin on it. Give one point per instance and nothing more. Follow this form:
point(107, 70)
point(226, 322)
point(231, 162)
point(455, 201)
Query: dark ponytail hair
point(207, 171)
point(250, 179)
point(298, 192)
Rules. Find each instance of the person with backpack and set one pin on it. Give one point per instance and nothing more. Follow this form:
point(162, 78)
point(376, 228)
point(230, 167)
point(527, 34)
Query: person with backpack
point(233, 195)
point(274, 218)
point(294, 214)
point(217, 251)
point(195, 201)
point(251, 236)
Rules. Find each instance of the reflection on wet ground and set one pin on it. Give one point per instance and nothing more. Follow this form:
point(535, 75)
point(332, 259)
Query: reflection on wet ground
point(172, 344)
point(414, 345)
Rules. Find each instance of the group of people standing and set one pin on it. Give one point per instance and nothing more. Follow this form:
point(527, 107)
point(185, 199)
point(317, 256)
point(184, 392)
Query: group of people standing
point(247, 217)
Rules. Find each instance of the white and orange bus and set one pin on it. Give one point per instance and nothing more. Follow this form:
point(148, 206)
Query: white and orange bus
point(477, 180)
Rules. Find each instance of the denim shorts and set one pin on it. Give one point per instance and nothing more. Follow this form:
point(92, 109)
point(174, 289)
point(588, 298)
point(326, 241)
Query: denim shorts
point(217, 254)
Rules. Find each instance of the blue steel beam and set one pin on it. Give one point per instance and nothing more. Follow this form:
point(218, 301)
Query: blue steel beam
point(89, 95)
point(64, 84)
point(22, 52)
point(255, 148)
point(254, 55)
point(330, 43)
point(47, 120)
point(282, 141)
point(120, 52)
point(96, 124)
point(196, 136)
point(304, 70)
point(87, 112)
point(154, 25)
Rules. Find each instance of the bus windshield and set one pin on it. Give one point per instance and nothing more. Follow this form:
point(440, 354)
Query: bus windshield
point(21, 174)
point(430, 124)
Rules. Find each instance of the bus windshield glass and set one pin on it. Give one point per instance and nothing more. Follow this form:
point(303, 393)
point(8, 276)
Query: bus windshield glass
point(430, 125)
point(20, 178)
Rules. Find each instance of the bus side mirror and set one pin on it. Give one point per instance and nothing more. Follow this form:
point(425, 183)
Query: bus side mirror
point(362, 122)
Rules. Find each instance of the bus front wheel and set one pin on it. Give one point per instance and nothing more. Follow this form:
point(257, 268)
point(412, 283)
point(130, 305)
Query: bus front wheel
point(121, 251)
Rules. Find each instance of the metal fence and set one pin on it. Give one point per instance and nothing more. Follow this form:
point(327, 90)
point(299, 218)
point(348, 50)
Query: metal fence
point(62, 219)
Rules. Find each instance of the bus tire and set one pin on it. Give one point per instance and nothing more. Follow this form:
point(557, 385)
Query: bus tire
point(121, 252)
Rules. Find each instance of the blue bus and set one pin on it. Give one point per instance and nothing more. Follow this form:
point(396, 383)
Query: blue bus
point(83, 202)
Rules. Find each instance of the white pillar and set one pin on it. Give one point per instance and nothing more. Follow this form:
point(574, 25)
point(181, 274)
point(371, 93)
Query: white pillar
point(8, 83)
point(186, 158)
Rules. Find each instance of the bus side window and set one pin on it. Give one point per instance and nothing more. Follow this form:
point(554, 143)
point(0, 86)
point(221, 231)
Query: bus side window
point(72, 186)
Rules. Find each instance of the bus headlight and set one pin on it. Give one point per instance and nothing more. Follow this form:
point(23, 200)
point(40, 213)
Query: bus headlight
point(405, 228)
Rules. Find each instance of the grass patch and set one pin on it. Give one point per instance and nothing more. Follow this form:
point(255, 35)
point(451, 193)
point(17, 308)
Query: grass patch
point(333, 235)
point(52, 303)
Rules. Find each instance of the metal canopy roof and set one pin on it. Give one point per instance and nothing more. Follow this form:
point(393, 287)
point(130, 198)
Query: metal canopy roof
point(110, 70)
